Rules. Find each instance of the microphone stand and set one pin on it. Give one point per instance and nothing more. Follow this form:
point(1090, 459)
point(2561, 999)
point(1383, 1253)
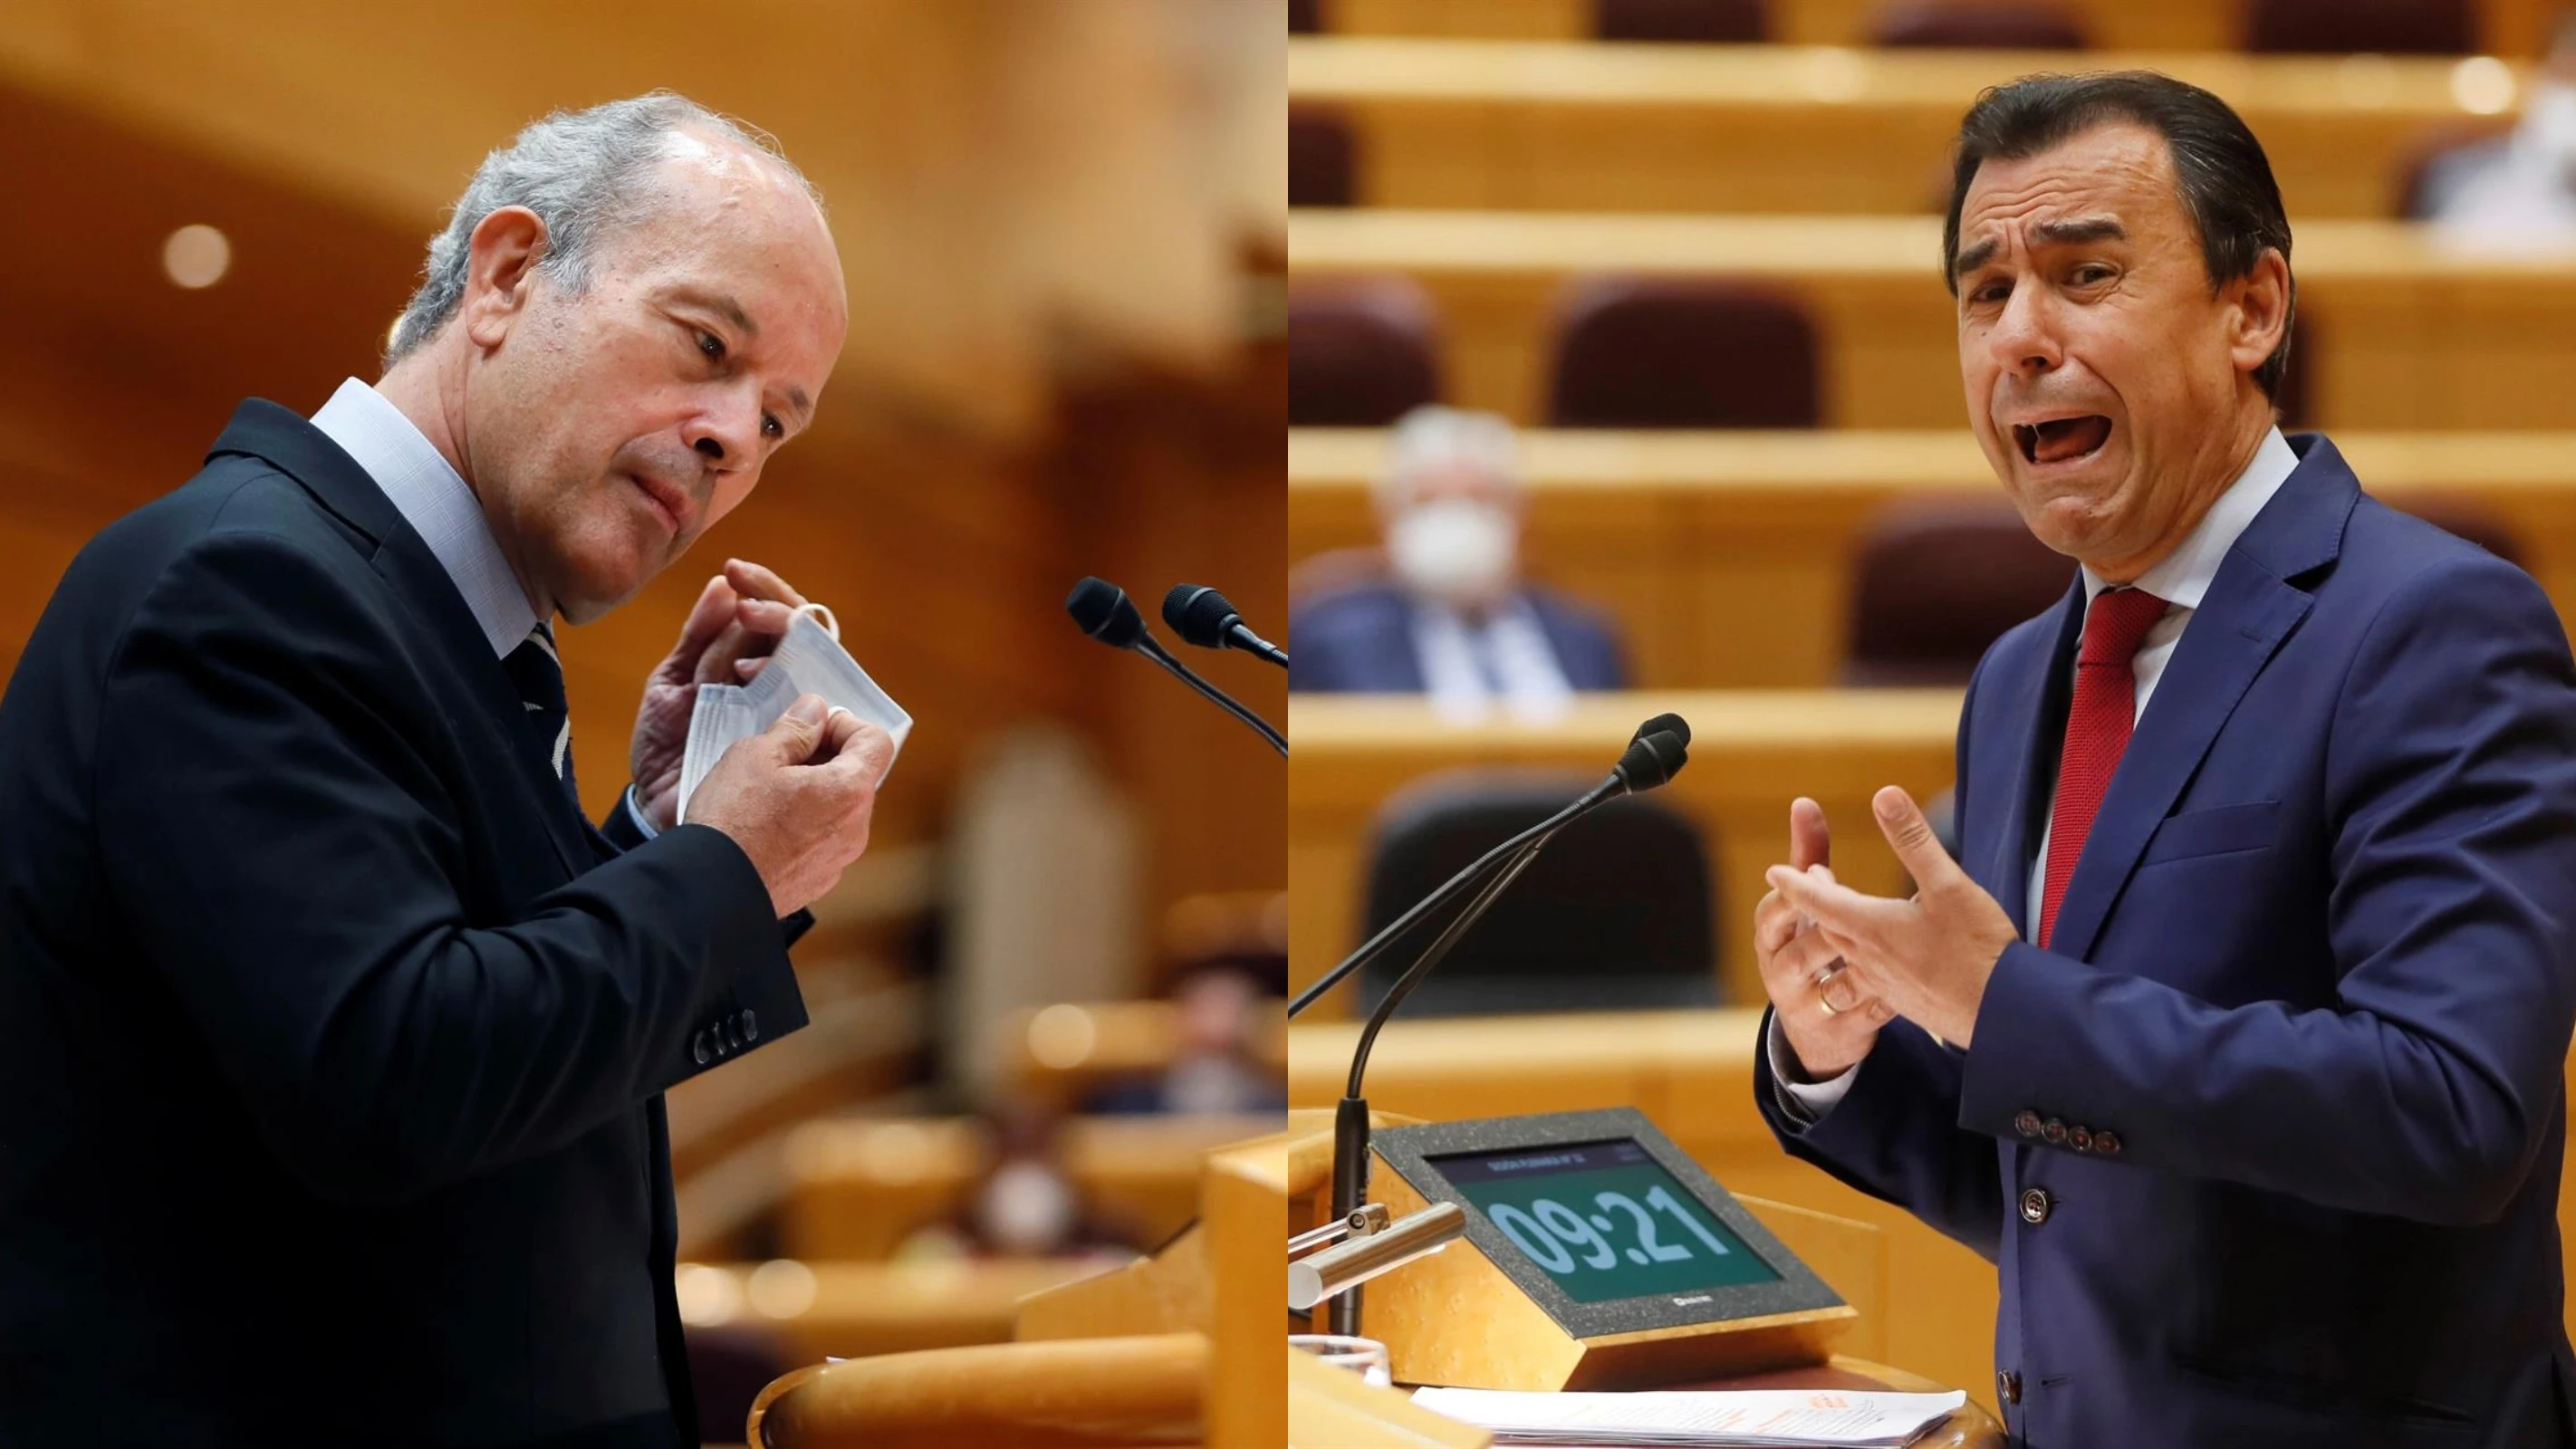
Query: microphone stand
point(1351, 1114)
point(1153, 649)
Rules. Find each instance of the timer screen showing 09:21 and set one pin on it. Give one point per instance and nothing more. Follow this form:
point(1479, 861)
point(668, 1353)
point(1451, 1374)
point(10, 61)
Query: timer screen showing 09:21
point(1604, 1220)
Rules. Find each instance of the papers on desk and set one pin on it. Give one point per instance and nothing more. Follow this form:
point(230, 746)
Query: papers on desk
point(1846, 1419)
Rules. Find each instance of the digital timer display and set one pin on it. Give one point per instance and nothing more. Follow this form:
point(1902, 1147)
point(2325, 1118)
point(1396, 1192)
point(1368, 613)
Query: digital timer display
point(1603, 1220)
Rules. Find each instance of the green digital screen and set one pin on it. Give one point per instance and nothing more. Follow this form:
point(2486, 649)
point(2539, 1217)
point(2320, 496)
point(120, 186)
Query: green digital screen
point(1603, 1220)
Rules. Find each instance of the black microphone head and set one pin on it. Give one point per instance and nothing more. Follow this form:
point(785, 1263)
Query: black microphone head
point(1665, 724)
point(1105, 613)
point(1651, 760)
point(1199, 614)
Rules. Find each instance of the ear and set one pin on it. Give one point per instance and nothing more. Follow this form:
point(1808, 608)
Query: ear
point(500, 260)
point(2262, 320)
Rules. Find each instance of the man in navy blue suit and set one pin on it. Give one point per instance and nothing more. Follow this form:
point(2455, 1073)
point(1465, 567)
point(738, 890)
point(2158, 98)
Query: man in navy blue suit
point(2234, 1037)
point(332, 1110)
point(1457, 622)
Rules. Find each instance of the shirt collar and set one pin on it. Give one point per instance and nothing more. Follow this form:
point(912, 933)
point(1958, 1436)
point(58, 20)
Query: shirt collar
point(2182, 577)
point(436, 502)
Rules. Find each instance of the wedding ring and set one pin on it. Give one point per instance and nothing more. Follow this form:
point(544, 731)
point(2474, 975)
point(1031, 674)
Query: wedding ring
point(1823, 976)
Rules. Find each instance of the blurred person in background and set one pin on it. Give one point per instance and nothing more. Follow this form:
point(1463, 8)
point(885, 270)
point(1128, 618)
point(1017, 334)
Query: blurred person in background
point(1025, 1203)
point(334, 1114)
point(1216, 1069)
point(1456, 621)
point(2520, 188)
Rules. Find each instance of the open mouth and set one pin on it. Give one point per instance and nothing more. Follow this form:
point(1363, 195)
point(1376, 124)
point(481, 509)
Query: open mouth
point(2062, 440)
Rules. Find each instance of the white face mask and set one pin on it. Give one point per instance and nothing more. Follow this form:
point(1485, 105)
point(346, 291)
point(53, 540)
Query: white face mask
point(1026, 1209)
point(2550, 121)
point(1456, 550)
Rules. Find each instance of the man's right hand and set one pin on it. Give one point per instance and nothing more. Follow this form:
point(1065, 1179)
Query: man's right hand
point(797, 797)
point(1792, 954)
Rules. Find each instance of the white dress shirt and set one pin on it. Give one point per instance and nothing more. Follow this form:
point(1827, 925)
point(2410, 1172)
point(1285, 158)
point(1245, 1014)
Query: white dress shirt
point(441, 507)
point(2182, 579)
point(1469, 666)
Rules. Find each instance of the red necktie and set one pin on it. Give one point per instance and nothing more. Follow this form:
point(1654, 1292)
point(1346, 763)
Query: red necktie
point(2097, 732)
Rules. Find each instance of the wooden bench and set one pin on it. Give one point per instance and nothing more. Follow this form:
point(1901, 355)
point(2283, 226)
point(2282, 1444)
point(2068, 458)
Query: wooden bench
point(1589, 127)
point(859, 1185)
point(1688, 536)
point(1751, 752)
point(2506, 27)
point(2411, 334)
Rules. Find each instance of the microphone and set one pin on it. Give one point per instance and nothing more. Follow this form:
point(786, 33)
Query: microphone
point(1650, 760)
point(1201, 616)
point(1103, 611)
point(1618, 784)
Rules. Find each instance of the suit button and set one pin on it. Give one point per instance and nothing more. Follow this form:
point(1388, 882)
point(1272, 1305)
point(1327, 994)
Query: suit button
point(2008, 1386)
point(2036, 1206)
point(698, 1048)
point(2106, 1142)
point(733, 1033)
point(2054, 1132)
point(750, 1025)
point(2026, 1122)
point(2080, 1138)
point(715, 1038)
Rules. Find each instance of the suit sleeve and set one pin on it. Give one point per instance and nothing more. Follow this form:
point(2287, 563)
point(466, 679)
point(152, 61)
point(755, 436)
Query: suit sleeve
point(287, 858)
point(2425, 1088)
point(1896, 1133)
point(625, 829)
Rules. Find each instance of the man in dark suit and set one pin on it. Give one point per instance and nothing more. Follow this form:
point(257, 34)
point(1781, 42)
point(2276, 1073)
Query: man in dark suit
point(333, 1111)
point(1457, 622)
point(2235, 1035)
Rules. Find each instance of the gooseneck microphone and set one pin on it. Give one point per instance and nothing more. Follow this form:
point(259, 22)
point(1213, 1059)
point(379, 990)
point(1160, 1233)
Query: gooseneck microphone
point(1654, 755)
point(1201, 616)
point(1104, 612)
point(1375, 946)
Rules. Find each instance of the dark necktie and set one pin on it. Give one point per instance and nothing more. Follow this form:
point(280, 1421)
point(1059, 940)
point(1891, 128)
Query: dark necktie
point(538, 673)
point(2097, 732)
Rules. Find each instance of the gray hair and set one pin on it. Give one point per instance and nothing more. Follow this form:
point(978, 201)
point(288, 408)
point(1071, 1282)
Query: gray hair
point(585, 174)
point(1433, 436)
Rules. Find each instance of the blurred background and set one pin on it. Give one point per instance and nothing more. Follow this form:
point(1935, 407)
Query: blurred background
point(1622, 379)
point(1054, 978)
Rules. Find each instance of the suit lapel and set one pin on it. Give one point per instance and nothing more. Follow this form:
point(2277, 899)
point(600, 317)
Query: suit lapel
point(289, 442)
point(2033, 752)
point(2251, 607)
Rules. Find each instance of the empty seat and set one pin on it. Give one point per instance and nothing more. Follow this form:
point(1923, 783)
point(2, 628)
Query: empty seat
point(1616, 913)
point(2296, 397)
point(1305, 17)
point(1951, 24)
point(2335, 27)
point(1362, 352)
point(1708, 22)
point(1936, 581)
point(1321, 165)
point(1641, 353)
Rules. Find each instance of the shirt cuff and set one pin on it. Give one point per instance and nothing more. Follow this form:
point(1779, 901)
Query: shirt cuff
point(635, 812)
point(1804, 1103)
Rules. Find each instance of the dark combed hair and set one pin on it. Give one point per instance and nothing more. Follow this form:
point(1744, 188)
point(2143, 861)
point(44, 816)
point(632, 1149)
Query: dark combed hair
point(2226, 182)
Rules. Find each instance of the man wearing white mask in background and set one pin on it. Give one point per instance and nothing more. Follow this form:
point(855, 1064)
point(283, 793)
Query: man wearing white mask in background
point(1455, 621)
point(2517, 191)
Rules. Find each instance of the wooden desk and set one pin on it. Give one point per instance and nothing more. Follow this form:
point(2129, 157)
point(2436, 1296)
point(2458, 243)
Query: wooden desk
point(822, 1308)
point(1751, 752)
point(860, 1185)
point(1691, 1073)
point(2410, 334)
point(1589, 127)
point(1061, 1052)
point(1684, 536)
point(2506, 27)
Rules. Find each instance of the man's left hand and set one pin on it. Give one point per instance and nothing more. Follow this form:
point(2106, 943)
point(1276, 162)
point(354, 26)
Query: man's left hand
point(1928, 957)
point(739, 618)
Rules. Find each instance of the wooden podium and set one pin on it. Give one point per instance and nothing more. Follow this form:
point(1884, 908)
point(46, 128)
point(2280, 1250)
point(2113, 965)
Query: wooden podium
point(1187, 1347)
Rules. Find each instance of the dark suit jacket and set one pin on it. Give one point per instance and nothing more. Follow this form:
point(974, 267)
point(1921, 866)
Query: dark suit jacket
point(2314, 975)
point(331, 1112)
point(1360, 641)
